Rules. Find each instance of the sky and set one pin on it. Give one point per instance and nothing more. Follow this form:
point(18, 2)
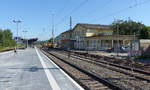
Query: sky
point(36, 15)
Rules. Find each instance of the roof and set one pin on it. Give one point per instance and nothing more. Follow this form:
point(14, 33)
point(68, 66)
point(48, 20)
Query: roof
point(94, 26)
point(68, 31)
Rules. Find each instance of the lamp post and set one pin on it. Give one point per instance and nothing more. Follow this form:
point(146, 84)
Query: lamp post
point(17, 22)
point(25, 37)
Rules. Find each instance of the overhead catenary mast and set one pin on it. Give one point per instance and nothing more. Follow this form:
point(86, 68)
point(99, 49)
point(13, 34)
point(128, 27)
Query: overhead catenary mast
point(70, 27)
point(70, 38)
point(53, 30)
point(70, 22)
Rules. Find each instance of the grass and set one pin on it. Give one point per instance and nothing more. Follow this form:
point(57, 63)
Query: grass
point(4, 48)
point(11, 47)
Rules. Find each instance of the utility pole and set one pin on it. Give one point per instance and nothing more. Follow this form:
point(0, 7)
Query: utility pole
point(70, 29)
point(132, 48)
point(117, 34)
point(53, 29)
point(17, 22)
point(69, 47)
point(70, 22)
point(25, 37)
point(118, 48)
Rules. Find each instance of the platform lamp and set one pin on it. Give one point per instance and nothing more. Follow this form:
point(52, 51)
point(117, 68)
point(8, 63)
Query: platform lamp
point(17, 23)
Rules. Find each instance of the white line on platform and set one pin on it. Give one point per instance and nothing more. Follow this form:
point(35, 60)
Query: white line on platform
point(74, 82)
point(51, 79)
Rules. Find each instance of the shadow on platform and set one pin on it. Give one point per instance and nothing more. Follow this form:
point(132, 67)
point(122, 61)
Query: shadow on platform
point(35, 69)
point(4, 81)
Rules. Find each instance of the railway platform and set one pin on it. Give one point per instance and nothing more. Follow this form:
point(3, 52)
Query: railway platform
point(30, 69)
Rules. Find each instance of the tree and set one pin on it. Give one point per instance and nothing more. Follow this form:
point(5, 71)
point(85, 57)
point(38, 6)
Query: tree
point(6, 38)
point(148, 28)
point(129, 27)
point(1, 36)
point(7, 34)
point(50, 40)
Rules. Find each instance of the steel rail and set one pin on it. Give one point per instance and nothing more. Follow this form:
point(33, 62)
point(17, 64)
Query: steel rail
point(96, 77)
point(97, 62)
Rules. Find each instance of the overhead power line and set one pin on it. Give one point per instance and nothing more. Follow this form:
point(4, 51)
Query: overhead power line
point(64, 7)
point(73, 10)
point(122, 10)
point(99, 8)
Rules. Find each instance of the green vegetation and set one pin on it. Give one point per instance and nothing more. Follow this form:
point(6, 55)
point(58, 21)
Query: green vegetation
point(148, 28)
point(129, 27)
point(6, 41)
point(51, 40)
point(143, 57)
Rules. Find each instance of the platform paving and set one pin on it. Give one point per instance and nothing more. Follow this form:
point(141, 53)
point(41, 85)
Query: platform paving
point(30, 69)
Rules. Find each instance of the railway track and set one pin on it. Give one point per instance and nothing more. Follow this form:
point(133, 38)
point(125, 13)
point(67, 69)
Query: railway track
point(122, 63)
point(120, 77)
point(126, 70)
point(86, 79)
